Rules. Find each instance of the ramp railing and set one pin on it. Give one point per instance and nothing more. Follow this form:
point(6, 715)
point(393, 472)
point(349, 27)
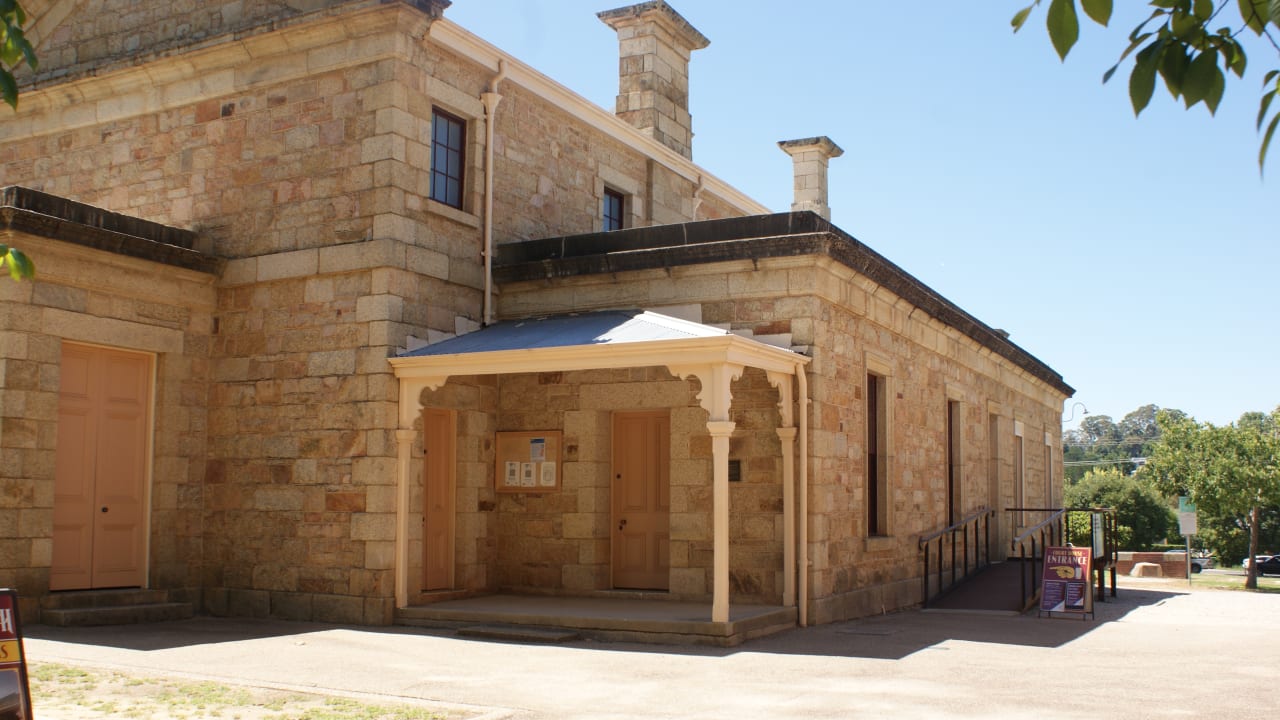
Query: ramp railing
point(958, 550)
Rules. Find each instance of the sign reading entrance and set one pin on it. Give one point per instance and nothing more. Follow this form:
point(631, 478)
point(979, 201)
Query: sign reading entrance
point(15, 692)
point(1067, 575)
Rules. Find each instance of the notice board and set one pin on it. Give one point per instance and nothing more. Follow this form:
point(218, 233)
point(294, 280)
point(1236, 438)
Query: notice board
point(1067, 580)
point(528, 462)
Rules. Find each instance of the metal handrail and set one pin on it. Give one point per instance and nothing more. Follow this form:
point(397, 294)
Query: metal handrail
point(954, 526)
point(1045, 533)
point(980, 522)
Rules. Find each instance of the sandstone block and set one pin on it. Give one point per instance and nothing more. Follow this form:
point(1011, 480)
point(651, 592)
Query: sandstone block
point(373, 526)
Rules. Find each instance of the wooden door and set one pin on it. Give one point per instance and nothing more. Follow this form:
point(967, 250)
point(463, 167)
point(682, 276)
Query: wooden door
point(439, 442)
point(641, 500)
point(100, 470)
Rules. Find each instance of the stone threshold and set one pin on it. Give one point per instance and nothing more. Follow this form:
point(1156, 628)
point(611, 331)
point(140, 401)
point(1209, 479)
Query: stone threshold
point(613, 619)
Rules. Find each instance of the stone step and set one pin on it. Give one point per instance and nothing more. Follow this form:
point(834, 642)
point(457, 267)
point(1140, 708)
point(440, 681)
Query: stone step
point(519, 633)
point(74, 599)
point(117, 615)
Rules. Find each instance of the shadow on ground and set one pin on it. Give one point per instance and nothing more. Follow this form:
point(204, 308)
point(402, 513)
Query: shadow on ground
point(174, 634)
point(888, 637)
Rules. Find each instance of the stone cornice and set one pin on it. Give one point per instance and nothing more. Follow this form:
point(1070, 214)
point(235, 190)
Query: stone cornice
point(660, 11)
point(23, 210)
point(736, 239)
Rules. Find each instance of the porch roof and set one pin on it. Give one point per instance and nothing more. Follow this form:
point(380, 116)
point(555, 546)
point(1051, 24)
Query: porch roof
point(592, 328)
point(587, 341)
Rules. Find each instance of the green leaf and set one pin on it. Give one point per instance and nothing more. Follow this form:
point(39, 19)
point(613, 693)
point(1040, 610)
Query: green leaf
point(20, 266)
point(1238, 61)
point(8, 88)
point(1020, 18)
point(1064, 26)
point(1263, 106)
point(1173, 68)
point(1203, 10)
point(1199, 79)
point(1266, 141)
point(1098, 10)
point(1274, 12)
point(1217, 86)
point(1184, 25)
point(1254, 12)
point(1142, 81)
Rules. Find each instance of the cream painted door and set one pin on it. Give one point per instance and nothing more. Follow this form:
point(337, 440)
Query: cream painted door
point(641, 500)
point(439, 441)
point(100, 470)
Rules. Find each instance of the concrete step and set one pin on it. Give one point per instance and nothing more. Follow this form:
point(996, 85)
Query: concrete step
point(519, 633)
point(74, 599)
point(116, 615)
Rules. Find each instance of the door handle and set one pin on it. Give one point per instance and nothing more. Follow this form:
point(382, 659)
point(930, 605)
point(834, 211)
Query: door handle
point(621, 524)
point(104, 508)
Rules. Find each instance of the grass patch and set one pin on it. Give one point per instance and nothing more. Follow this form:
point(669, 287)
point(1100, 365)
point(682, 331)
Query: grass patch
point(1268, 584)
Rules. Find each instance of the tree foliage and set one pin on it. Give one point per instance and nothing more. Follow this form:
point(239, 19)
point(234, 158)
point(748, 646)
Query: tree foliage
point(18, 264)
point(1232, 472)
point(15, 49)
point(1143, 517)
point(1229, 536)
point(1178, 43)
point(1101, 442)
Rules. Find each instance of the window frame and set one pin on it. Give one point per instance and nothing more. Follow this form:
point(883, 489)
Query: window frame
point(877, 485)
point(619, 198)
point(443, 153)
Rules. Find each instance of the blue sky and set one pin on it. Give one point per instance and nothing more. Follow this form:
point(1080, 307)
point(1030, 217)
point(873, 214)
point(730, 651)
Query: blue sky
point(1137, 257)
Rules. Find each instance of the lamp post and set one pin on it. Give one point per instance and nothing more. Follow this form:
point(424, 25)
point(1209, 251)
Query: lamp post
point(1073, 412)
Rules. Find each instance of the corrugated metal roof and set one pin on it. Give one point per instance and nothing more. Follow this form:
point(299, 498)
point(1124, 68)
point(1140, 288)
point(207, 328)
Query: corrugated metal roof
point(597, 328)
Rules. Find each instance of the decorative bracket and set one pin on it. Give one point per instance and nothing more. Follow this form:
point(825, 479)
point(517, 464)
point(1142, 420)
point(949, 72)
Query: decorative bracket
point(715, 395)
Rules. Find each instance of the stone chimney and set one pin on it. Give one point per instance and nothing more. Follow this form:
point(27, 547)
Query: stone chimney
point(654, 44)
point(810, 156)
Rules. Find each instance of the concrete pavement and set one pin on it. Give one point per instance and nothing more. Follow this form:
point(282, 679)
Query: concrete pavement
point(1157, 651)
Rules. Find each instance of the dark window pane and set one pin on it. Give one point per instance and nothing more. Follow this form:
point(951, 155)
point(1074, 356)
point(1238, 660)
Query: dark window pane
point(611, 212)
point(448, 140)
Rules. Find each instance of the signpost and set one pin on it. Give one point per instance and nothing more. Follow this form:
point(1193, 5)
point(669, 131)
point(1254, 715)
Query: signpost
point(1187, 526)
point(15, 691)
point(1068, 572)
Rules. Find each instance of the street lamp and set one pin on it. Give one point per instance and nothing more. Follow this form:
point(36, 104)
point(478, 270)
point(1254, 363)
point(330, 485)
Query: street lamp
point(1073, 412)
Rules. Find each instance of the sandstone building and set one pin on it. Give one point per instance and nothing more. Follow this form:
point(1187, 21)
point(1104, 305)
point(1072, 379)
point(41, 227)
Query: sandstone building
point(342, 310)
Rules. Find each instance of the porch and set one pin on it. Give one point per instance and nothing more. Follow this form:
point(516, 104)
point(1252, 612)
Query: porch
point(526, 511)
point(616, 616)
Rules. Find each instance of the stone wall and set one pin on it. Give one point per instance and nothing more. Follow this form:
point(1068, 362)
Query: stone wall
point(847, 324)
point(307, 168)
point(95, 297)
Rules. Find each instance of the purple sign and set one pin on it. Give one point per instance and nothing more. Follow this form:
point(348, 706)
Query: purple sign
point(1065, 585)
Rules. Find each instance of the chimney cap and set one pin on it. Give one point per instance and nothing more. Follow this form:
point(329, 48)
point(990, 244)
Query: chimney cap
point(822, 143)
point(655, 10)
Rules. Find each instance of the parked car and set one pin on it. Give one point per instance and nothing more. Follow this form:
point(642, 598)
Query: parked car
point(1199, 561)
point(1267, 564)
